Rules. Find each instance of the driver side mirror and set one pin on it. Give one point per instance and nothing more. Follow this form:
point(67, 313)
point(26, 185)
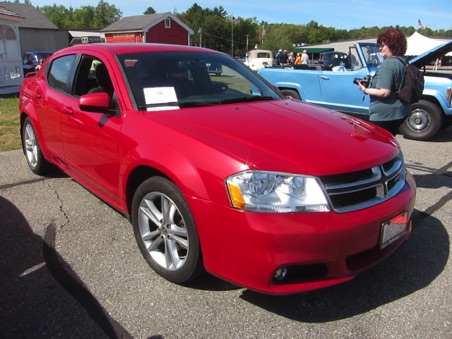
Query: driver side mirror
point(95, 102)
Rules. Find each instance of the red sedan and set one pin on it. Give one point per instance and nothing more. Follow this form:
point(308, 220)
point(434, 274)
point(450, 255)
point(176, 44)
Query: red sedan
point(218, 173)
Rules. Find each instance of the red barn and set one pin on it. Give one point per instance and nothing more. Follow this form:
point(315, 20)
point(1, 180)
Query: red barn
point(157, 28)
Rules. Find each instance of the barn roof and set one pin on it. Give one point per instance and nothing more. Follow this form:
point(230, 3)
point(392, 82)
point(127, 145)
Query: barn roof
point(142, 23)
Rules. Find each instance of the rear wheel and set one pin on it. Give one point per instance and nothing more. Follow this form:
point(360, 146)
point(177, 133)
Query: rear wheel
point(424, 122)
point(30, 144)
point(165, 230)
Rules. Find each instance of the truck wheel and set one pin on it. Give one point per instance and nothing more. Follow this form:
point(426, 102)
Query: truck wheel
point(290, 93)
point(424, 122)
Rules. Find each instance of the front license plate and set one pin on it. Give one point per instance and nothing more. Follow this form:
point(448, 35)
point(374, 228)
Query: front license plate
point(393, 229)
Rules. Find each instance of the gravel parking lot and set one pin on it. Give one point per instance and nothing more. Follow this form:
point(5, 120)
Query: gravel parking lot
point(70, 268)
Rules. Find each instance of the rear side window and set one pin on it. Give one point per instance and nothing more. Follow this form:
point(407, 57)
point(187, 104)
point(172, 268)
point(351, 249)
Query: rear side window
point(60, 71)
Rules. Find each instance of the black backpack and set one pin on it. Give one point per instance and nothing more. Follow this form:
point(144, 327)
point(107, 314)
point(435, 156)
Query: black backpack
point(413, 84)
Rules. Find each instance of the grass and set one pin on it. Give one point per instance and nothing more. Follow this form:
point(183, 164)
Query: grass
point(9, 124)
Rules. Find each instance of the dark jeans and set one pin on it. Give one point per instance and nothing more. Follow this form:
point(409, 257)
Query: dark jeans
point(392, 126)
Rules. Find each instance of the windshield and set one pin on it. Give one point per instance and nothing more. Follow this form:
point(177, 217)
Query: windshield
point(167, 80)
point(372, 54)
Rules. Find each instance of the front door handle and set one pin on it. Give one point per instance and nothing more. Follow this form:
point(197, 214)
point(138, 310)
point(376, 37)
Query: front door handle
point(68, 110)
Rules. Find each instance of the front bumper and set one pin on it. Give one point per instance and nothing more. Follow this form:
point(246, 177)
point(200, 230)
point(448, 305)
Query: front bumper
point(318, 249)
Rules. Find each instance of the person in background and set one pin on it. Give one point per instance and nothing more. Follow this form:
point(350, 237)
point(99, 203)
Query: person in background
point(278, 56)
point(298, 59)
point(38, 66)
point(291, 58)
point(304, 58)
point(386, 110)
point(284, 58)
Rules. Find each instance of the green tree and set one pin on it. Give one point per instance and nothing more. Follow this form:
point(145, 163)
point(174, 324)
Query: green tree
point(105, 14)
point(83, 17)
point(149, 10)
point(59, 15)
point(276, 38)
point(213, 28)
point(86, 17)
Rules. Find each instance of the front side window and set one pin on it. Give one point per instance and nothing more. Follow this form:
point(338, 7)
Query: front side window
point(92, 76)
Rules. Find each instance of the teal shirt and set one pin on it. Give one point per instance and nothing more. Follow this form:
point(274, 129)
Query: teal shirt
point(390, 75)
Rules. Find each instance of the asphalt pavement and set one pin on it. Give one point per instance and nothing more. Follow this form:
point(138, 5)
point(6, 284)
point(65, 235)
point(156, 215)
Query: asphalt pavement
point(70, 268)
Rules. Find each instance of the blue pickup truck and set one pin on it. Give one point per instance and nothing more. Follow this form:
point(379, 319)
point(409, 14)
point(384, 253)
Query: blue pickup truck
point(336, 89)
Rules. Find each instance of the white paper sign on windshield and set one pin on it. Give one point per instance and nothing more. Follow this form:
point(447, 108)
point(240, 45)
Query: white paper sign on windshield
point(160, 98)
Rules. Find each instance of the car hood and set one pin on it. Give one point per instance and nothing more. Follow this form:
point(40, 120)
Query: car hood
point(285, 135)
point(431, 55)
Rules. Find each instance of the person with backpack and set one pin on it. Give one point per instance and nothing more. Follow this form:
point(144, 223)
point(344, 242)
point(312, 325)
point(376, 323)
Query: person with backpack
point(386, 109)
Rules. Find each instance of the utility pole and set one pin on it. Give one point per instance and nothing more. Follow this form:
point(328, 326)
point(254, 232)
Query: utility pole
point(232, 37)
point(200, 36)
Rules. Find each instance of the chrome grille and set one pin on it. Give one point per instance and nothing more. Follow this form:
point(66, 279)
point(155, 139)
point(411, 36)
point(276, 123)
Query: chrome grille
point(357, 190)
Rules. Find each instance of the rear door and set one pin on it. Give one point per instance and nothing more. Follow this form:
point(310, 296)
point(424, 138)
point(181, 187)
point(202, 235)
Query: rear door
point(52, 96)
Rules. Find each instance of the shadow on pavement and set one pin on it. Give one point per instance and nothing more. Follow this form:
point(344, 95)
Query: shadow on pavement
point(32, 303)
point(413, 267)
point(444, 135)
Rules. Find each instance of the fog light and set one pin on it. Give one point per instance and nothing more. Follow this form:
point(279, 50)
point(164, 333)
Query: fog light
point(280, 273)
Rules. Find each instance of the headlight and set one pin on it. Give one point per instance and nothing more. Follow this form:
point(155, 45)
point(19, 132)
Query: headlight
point(261, 191)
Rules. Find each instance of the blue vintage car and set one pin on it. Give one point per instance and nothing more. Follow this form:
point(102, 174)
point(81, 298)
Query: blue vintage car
point(32, 59)
point(337, 90)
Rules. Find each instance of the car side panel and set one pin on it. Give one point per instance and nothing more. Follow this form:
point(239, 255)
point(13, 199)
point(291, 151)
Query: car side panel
point(438, 87)
point(339, 92)
point(309, 89)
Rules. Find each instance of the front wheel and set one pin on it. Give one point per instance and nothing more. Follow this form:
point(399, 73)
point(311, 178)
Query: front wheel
point(424, 122)
point(290, 93)
point(30, 145)
point(165, 231)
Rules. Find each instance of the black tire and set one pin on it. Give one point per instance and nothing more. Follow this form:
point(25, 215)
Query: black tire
point(162, 221)
point(290, 93)
point(30, 145)
point(424, 122)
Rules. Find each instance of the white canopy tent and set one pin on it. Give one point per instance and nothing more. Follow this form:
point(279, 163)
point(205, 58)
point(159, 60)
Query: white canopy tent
point(418, 44)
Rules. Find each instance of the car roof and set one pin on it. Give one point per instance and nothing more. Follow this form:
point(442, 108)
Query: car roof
point(333, 52)
point(38, 52)
point(127, 48)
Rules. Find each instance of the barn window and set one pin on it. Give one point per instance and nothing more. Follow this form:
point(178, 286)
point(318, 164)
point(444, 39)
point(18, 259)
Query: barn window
point(168, 23)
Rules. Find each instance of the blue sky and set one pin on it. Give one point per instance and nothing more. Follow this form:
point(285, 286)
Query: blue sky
point(348, 14)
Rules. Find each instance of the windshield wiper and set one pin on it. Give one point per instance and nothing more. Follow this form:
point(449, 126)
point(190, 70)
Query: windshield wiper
point(249, 98)
point(184, 104)
point(197, 103)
